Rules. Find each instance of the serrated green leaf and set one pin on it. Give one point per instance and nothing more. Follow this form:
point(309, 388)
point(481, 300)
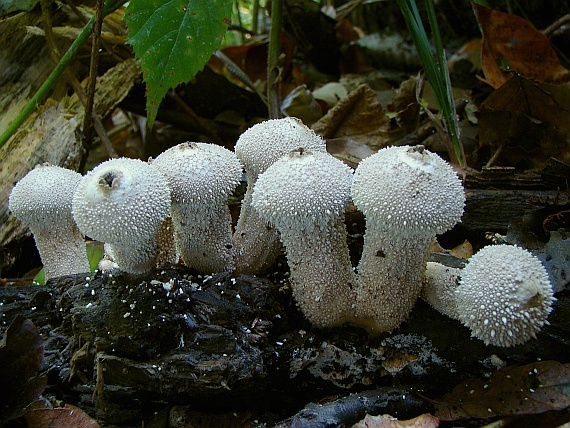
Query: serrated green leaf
point(173, 40)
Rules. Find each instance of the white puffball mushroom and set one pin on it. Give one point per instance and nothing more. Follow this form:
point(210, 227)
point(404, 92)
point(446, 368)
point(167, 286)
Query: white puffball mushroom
point(201, 177)
point(504, 296)
point(123, 202)
point(408, 195)
point(304, 194)
point(42, 199)
point(256, 243)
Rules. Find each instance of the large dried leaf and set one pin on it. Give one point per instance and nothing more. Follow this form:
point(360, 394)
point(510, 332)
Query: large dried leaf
point(67, 416)
point(357, 120)
point(21, 354)
point(529, 120)
point(517, 45)
point(538, 101)
point(386, 421)
point(173, 40)
point(518, 390)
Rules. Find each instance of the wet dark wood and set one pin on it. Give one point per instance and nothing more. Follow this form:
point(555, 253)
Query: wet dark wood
point(124, 349)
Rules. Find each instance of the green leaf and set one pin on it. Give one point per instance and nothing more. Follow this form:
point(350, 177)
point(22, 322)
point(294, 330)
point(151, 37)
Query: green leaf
point(173, 40)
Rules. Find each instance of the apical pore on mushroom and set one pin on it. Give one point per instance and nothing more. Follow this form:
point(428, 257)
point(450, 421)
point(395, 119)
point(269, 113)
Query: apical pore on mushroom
point(408, 195)
point(503, 295)
point(123, 203)
point(304, 194)
point(42, 199)
point(256, 242)
point(201, 177)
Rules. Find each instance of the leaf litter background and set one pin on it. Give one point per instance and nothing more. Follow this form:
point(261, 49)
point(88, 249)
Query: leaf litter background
point(523, 119)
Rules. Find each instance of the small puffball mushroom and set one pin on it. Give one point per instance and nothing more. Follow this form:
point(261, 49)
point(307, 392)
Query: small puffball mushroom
point(123, 202)
point(256, 243)
point(304, 194)
point(42, 199)
point(201, 177)
point(504, 296)
point(408, 195)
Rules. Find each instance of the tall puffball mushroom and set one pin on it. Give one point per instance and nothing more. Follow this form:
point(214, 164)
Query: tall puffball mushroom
point(201, 177)
point(408, 195)
point(256, 242)
point(123, 202)
point(304, 194)
point(42, 199)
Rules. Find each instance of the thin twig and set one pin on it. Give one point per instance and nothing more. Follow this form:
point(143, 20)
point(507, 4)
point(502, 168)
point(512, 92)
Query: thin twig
point(102, 41)
point(495, 156)
point(255, 16)
point(188, 110)
point(556, 25)
point(47, 86)
point(55, 55)
point(93, 72)
point(274, 68)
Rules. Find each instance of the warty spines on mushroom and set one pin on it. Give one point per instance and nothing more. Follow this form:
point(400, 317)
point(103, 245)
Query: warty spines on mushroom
point(43, 200)
point(256, 243)
point(304, 194)
point(408, 195)
point(201, 177)
point(504, 296)
point(123, 202)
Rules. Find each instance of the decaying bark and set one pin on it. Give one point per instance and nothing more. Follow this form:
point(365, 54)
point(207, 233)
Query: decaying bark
point(124, 349)
point(51, 134)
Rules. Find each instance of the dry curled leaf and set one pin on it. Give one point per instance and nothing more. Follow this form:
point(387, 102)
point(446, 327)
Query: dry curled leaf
point(517, 390)
point(517, 45)
point(358, 117)
point(529, 120)
point(21, 354)
point(462, 251)
point(67, 416)
point(386, 421)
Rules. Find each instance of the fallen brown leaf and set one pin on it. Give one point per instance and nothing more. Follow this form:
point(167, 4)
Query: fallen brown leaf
point(513, 41)
point(67, 416)
point(517, 390)
point(529, 119)
point(386, 421)
point(21, 354)
point(359, 117)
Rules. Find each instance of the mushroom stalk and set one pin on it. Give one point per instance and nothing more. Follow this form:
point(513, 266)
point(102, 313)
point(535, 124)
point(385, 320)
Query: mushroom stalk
point(201, 177)
point(408, 195)
point(322, 278)
point(255, 241)
point(43, 200)
point(390, 275)
point(304, 195)
point(439, 287)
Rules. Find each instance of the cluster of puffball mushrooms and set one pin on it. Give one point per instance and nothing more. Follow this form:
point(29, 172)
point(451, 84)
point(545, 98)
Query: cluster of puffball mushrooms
point(175, 207)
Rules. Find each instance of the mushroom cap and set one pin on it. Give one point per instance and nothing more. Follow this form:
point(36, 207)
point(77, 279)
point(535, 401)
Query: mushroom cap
point(264, 143)
point(42, 198)
point(192, 167)
point(121, 200)
point(408, 188)
point(504, 296)
point(302, 189)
